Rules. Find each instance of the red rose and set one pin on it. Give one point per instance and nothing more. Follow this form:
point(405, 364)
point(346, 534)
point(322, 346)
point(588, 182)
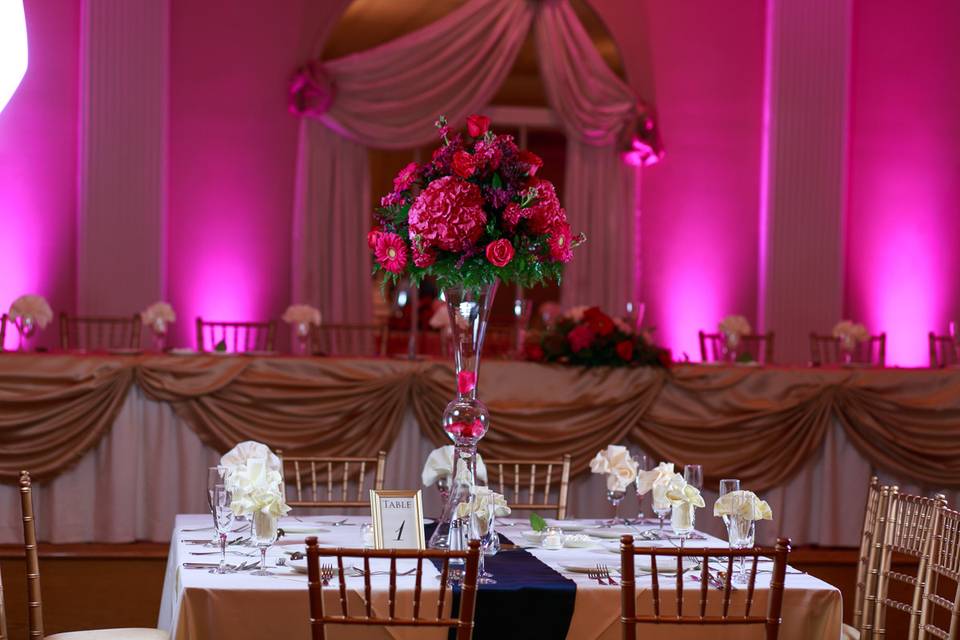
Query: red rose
point(500, 252)
point(477, 125)
point(372, 236)
point(448, 215)
point(625, 350)
point(534, 352)
point(466, 429)
point(580, 337)
point(532, 160)
point(599, 322)
point(464, 164)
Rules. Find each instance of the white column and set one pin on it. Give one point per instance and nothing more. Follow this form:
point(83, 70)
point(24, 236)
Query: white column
point(804, 170)
point(122, 164)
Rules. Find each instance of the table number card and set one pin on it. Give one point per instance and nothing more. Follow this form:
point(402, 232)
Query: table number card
point(397, 519)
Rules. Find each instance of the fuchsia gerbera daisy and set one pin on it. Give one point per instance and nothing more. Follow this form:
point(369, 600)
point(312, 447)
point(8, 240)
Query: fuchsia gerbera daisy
point(561, 242)
point(391, 252)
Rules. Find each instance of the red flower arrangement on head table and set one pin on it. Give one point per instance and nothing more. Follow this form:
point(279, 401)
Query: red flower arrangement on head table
point(475, 213)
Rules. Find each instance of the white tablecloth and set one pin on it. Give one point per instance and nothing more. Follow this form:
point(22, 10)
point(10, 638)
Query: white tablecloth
point(197, 604)
point(151, 466)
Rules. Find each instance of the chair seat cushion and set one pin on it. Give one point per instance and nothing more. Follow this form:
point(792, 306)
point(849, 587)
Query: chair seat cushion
point(849, 633)
point(112, 634)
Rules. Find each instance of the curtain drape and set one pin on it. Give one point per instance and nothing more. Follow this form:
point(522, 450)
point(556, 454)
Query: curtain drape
point(389, 97)
point(759, 425)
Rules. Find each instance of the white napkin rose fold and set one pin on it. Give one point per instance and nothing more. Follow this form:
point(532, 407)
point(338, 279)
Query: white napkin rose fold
point(239, 455)
point(616, 462)
point(302, 314)
point(744, 504)
point(439, 464)
point(483, 498)
point(33, 307)
point(256, 488)
point(660, 474)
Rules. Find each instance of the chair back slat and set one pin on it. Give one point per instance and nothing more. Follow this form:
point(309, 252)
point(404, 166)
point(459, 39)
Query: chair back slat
point(319, 618)
point(943, 575)
point(93, 333)
point(3, 611)
point(908, 526)
point(826, 349)
point(238, 337)
point(34, 599)
point(867, 535)
point(349, 340)
point(770, 621)
point(4, 318)
point(943, 351)
point(713, 347)
point(345, 470)
point(529, 484)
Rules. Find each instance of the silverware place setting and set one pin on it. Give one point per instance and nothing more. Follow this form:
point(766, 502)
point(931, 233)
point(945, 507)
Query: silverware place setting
point(243, 566)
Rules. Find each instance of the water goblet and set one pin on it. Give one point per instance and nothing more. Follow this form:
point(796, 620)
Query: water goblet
point(481, 517)
point(643, 464)
point(682, 517)
point(615, 497)
point(222, 519)
point(26, 327)
point(740, 534)
point(264, 534)
point(662, 509)
point(693, 475)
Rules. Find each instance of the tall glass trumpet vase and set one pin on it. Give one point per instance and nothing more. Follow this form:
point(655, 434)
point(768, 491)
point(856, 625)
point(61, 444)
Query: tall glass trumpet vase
point(466, 419)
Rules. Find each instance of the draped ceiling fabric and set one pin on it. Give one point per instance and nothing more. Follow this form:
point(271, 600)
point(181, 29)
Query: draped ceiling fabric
point(759, 425)
point(390, 96)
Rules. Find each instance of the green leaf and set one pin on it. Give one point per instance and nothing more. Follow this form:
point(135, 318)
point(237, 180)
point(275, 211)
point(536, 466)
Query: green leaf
point(221, 346)
point(496, 182)
point(537, 523)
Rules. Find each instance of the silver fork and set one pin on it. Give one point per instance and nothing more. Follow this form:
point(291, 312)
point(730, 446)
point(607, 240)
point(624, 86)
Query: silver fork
point(593, 574)
point(357, 572)
point(326, 573)
point(604, 572)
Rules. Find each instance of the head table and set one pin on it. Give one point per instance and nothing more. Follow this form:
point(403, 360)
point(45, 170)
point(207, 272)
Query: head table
point(197, 604)
point(119, 443)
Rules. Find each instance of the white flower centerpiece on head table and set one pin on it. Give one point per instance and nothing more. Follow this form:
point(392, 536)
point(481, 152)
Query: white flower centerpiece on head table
point(302, 317)
point(734, 328)
point(158, 317)
point(28, 312)
point(850, 335)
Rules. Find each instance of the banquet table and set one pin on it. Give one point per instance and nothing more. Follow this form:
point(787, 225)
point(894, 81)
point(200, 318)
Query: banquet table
point(129, 436)
point(198, 604)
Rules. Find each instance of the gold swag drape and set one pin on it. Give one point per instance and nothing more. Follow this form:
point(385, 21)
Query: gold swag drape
point(759, 425)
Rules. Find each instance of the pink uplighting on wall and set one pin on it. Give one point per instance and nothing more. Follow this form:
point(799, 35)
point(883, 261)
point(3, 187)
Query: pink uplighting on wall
point(13, 48)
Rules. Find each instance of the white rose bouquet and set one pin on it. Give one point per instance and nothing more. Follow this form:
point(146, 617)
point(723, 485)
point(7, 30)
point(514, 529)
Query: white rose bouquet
point(850, 333)
point(157, 316)
point(733, 329)
point(615, 461)
point(31, 309)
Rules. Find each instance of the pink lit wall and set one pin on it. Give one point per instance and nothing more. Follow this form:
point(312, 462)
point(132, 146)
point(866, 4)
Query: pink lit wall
point(699, 207)
point(903, 258)
point(38, 159)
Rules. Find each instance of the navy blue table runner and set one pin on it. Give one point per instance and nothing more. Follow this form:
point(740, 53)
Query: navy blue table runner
point(530, 601)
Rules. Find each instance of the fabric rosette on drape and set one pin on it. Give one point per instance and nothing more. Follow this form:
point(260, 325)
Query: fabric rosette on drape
point(388, 97)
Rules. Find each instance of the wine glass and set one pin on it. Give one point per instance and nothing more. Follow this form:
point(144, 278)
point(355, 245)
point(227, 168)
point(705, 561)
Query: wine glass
point(643, 464)
point(662, 509)
point(615, 497)
point(693, 475)
point(264, 532)
point(740, 533)
point(216, 477)
point(222, 519)
point(26, 327)
point(481, 517)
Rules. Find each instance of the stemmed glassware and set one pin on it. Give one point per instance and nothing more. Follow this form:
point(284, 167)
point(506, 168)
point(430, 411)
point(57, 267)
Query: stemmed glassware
point(481, 528)
point(728, 485)
point(219, 499)
point(26, 327)
point(682, 517)
point(693, 475)
point(643, 464)
point(741, 533)
point(661, 508)
point(264, 534)
point(615, 497)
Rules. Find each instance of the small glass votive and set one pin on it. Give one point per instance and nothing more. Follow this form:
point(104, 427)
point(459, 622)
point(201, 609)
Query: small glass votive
point(366, 535)
point(552, 538)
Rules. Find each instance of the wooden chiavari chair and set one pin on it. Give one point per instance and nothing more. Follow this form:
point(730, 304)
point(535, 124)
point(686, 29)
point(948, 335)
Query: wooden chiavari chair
point(943, 351)
point(943, 571)
point(628, 593)
point(3, 614)
point(908, 524)
point(34, 600)
point(759, 346)
point(870, 545)
point(349, 340)
point(528, 479)
point(336, 474)
point(3, 335)
point(826, 349)
point(99, 332)
point(238, 337)
point(319, 617)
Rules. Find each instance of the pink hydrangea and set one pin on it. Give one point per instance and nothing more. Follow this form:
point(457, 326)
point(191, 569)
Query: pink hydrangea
point(447, 215)
point(545, 213)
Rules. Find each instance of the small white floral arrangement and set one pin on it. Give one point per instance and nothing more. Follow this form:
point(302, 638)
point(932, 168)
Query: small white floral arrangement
point(158, 316)
point(575, 313)
point(302, 314)
point(743, 504)
point(734, 328)
point(32, 308)
point(850, 333)
point(615, 461)
point(483, 498)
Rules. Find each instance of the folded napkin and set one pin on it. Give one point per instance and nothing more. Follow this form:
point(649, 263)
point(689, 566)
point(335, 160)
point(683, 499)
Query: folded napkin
point(439, 464)
point(244, 451)
point(744, 504)
point(615, 461)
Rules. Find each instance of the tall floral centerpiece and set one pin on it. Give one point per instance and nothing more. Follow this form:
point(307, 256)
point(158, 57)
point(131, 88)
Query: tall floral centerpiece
point(476, 214)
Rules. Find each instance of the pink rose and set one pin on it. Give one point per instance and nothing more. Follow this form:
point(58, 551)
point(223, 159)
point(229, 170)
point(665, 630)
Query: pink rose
point(580, 337)
point(448, 215)
point(500, 252)
point(372, 236)
point(466, 429)
point(477, 125)
point(464, 164)
point(466, 382)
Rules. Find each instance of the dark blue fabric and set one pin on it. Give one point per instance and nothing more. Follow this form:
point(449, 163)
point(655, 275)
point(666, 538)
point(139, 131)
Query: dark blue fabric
point(530, 601)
